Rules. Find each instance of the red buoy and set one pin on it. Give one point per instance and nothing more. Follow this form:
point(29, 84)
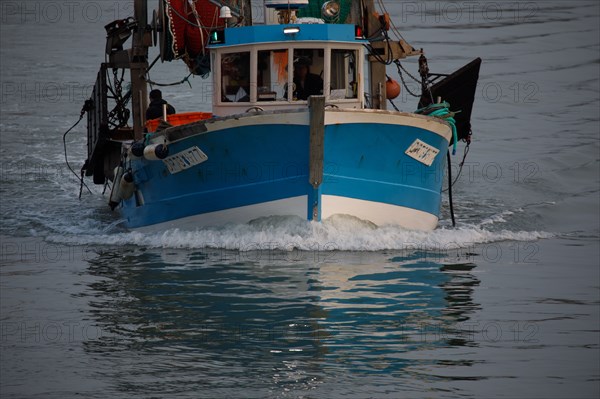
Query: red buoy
point(392, 88)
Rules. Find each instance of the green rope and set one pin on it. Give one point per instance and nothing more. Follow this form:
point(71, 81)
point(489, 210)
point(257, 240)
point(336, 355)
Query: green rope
point(442, 111)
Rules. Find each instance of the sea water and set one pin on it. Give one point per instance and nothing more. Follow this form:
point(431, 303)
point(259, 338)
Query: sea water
point(505, 304)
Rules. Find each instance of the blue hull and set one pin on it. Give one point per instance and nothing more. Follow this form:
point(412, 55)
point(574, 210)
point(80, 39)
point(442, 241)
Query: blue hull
point(367, 162)
point(261, 168)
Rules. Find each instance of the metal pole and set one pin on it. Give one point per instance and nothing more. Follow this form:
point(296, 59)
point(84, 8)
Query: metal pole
point(377, 71)
point(138, 59)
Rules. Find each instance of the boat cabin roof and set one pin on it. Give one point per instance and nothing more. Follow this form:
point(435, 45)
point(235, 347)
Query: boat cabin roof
point(257, 34)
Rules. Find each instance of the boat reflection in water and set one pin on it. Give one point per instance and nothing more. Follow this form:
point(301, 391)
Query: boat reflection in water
point(275, 320)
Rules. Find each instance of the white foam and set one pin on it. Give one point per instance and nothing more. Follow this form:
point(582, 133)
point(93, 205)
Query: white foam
point(290, 233)
point(497, 218)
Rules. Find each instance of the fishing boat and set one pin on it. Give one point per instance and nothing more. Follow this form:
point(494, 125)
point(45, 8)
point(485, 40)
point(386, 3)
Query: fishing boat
point(299, 123)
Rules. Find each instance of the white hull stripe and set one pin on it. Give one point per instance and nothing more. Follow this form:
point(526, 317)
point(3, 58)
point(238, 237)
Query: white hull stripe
point(295, 206)
point(378, 212)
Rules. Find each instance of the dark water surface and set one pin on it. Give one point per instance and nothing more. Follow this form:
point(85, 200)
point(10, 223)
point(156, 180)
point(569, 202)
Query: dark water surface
point(507, 305)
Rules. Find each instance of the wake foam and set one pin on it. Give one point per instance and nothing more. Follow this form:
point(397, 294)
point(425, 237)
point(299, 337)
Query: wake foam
point(339, 233)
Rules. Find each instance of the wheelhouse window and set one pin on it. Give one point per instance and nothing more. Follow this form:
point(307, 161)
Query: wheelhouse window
point(235, 77)
point(308, 73)
point(272, 76)
point(343, 74)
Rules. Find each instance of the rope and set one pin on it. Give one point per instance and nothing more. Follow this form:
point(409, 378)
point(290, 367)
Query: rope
point(119, 115)
point(106, 185)
point(442, 111)
point(193, 4)
point(86, 106)
point(450, 190)
point(182, 81)
point(389, 59)
point(387, 40)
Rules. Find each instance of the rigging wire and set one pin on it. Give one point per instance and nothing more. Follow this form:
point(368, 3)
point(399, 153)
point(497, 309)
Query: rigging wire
point(394, 28)
point(390, 60)
point(399, 65)
point(86, 106)
point(393, 105)
point(460, 165)
point(400, 69)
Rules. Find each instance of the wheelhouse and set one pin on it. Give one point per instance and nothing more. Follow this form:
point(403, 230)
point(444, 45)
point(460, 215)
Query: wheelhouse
point(279, 66)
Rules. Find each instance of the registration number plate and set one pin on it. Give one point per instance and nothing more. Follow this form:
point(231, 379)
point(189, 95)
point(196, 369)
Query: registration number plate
point(185, 159)
point(422, 152)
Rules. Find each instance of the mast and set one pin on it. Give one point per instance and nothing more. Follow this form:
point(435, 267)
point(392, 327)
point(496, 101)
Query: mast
point(139, 64)
point(363, 13)
point(246, 8)
point(377, 70)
